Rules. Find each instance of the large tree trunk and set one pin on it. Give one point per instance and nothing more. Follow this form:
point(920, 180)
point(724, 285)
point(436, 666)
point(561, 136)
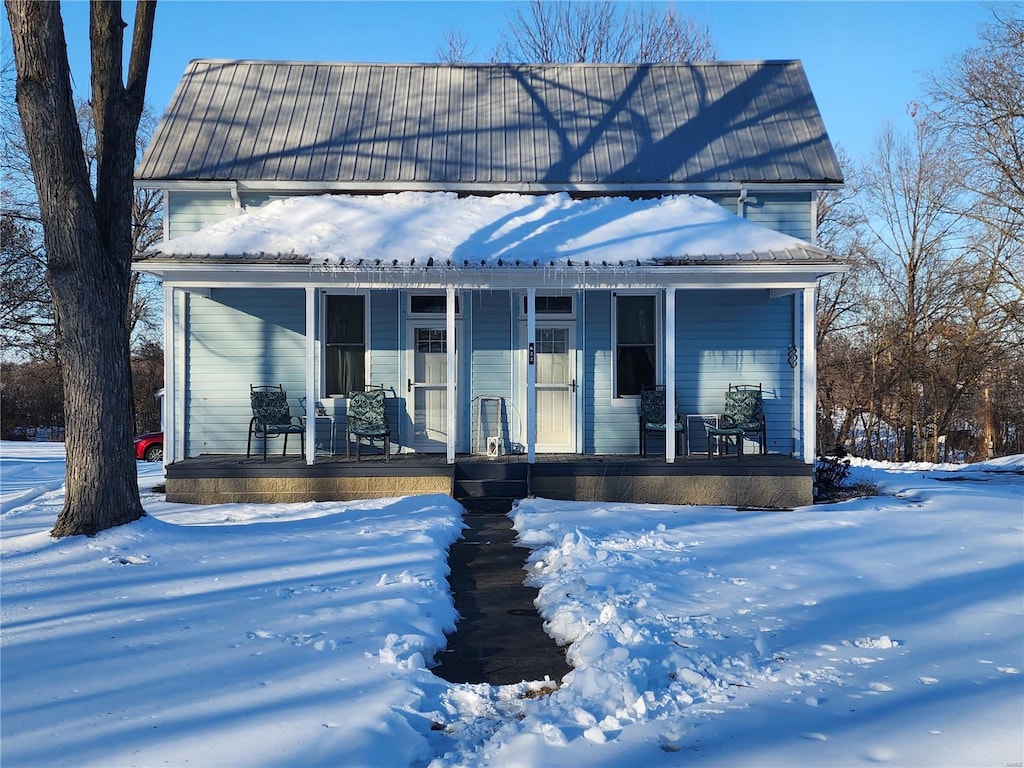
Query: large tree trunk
point(88, 244)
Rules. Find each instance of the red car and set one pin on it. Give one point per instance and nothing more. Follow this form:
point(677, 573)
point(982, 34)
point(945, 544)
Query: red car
point(150, 446)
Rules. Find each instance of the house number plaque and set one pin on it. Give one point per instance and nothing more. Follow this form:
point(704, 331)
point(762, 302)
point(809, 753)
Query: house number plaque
point(532, 354)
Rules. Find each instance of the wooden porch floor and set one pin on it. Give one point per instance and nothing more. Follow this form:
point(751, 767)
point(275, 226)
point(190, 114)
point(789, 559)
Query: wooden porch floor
point(754, 481)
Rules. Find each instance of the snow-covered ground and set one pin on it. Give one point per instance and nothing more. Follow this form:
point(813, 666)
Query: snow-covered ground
point(884, 630)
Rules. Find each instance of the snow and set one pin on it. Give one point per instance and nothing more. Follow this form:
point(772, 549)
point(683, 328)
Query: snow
point(882, 630)
point(552, 228)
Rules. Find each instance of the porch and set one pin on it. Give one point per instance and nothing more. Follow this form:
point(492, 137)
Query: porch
point(764, 481)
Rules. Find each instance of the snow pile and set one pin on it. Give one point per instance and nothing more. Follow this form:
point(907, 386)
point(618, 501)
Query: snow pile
point(417, 226)
point(884, 630)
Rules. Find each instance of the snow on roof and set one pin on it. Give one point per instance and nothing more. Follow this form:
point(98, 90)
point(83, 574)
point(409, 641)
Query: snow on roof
point(414, 227)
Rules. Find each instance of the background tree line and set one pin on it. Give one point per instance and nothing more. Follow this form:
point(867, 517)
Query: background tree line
point(31, 390)
point(920, 344)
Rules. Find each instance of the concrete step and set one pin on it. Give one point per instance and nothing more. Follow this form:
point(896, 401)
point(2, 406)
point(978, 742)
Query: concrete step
point(490, 505)
point(480, 489)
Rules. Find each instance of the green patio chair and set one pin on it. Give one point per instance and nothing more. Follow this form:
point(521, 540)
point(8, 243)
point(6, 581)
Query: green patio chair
point(367, 420)
point(744, 415)
point(271, 417)
point(652, 416)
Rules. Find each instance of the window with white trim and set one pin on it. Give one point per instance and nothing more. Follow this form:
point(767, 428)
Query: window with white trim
point(432, 304)
point(344, 344)
point(551, 305)
point(635, 343)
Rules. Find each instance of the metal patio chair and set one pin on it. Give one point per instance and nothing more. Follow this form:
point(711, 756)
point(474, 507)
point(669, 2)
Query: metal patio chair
point(652, 416)
point(367, 420)
point(271, 417)
point(744, 415)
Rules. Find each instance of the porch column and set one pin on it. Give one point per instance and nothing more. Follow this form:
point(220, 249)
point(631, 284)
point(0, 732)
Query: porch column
point(310, 375)
point(531, 375)
point(450, 361)
point(170, 420)
point(809, 377)
point(670, 375)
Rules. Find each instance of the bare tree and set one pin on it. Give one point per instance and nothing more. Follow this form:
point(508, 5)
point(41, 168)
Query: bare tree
point(455, 47)
point(555, 31)
point(147, 227)
point(27, 322)
point(88, 241)
point(843, 375)
point(917, 258)
point(26, 311)
point(978, 101)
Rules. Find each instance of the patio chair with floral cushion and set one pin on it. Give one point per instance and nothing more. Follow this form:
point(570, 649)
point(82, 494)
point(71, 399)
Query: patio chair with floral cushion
point(652, 416)
point(367, 420)
point(271, 417)
point(744, 415)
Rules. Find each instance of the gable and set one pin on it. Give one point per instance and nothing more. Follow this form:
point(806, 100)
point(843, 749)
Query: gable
point(528, 128)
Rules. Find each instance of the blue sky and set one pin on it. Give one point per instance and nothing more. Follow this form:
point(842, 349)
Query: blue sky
point(865, 60)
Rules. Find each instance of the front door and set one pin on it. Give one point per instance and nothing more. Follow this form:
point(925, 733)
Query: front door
point(556, 387)
point(427, 391)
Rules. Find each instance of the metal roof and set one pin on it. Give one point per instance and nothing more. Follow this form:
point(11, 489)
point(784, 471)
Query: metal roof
point(341, 126)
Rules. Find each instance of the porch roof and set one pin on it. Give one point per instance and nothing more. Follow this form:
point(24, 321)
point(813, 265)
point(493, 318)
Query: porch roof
point(443, 230)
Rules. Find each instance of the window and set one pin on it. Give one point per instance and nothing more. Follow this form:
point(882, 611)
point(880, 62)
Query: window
point(345, 345)
point(431, 304)
point(431, 341)
point(551, 305)
point(635, 344)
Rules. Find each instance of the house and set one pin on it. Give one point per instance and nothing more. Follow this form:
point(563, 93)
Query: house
point(511, 251)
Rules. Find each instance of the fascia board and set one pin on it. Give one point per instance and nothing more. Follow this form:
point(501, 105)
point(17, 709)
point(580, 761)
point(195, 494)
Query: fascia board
point(369, 187)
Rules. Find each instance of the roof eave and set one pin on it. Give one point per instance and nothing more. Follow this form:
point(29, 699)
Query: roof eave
point(235, 272)
point(481, 188)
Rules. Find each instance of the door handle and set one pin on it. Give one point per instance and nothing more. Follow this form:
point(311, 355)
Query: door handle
point(573, 386)
point(408, 385)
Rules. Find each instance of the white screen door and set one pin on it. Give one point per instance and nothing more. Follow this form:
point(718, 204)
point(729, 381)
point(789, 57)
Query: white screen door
point(556, 387)
point(427, 393)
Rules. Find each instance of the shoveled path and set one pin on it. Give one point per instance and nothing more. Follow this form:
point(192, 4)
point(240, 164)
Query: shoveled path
point(500, 637)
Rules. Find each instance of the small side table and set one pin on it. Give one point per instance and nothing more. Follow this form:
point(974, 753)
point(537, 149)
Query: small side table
point(704, 420)
point(330, 420)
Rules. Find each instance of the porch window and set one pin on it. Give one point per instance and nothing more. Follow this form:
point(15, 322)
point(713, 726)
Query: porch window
point(431, 304)
point(345, 345)
point(551, 305)
point(635, 344)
